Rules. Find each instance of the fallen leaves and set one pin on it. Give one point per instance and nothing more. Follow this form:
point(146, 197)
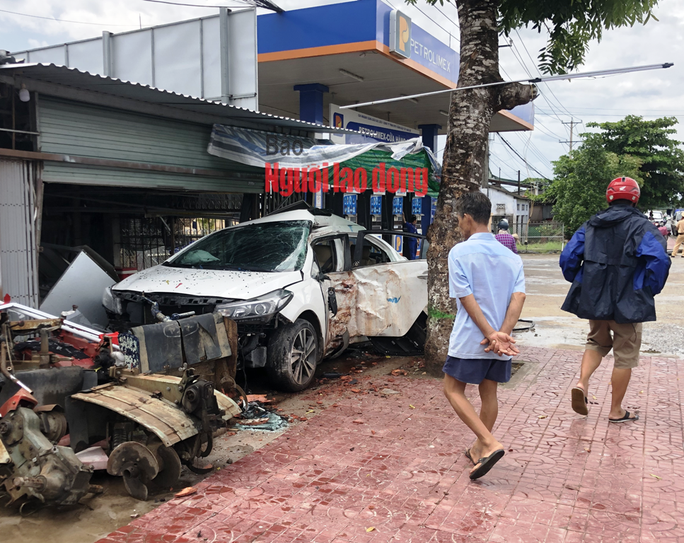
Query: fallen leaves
point(655, 476)
point(358, 421)
point(399, 371)
point(542, 416)
point(412, 406)
point(370, 528)
point(258, 398)
point(188, 491)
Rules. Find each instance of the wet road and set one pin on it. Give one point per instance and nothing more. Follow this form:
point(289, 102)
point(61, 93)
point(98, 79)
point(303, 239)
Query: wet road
point(546, 290)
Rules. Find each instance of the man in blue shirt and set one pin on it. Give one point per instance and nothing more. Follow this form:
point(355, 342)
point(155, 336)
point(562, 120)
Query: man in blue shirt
point(488, 283)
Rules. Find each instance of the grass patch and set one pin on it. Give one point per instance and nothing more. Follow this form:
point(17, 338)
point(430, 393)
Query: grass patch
point(548, 247)
point(438, 315)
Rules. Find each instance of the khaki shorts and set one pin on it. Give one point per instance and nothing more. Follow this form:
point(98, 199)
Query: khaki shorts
point(625, 341)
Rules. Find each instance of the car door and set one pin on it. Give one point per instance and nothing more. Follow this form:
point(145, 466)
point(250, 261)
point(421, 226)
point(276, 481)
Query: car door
point(332, 261)
point(390, 294)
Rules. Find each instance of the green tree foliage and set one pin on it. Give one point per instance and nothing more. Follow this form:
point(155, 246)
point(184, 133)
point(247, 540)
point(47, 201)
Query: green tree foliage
point(581, 179)
point(662, 159)
point(571, 24)
point(631, 147)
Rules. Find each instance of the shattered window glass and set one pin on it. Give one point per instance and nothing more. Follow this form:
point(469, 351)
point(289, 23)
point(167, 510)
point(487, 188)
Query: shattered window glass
point(271, 247)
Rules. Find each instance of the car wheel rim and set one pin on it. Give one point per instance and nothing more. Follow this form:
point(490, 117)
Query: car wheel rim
point(303, 359)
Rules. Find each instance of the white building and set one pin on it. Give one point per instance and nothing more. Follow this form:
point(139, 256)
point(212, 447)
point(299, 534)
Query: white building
point(511, 206)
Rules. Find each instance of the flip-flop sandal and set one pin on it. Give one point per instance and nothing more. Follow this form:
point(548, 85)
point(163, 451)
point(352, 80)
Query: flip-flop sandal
point(579, 401)
point(468, 456)
point(626, 418)
point(486, 463)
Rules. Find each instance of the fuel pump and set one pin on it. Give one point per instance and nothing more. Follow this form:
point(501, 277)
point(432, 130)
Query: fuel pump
point(398, 223)
point(417, 210)
point(376, 211)
point(349, 207)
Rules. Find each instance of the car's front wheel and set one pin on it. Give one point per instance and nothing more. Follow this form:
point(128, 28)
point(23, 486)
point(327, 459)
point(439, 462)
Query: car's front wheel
point(292, 355)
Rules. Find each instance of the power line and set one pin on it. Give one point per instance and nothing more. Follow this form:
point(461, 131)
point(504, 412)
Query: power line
point(537, 69)
point(521, 158)
point(192, 5)
point(432, 20)
point(61, 20)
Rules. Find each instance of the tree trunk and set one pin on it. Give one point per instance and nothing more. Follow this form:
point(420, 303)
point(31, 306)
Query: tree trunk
point(470, 116)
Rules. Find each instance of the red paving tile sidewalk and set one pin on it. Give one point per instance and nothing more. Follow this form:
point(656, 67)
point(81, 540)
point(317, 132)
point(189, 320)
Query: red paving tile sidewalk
point(403, 474)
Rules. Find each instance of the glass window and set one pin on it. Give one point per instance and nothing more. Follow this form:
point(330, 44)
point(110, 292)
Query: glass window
point(271, 246)
point(324, 255)
point(372, 254)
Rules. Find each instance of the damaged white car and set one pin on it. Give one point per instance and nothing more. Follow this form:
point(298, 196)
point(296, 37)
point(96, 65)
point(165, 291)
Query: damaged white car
point(301, 285)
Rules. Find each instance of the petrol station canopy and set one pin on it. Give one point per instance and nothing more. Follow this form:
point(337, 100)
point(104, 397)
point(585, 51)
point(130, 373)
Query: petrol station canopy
point(349, 49)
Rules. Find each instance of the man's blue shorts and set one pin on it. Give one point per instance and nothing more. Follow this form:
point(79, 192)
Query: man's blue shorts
point(475, 370)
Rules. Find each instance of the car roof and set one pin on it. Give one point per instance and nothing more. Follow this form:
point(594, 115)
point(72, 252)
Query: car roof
point(333, 223)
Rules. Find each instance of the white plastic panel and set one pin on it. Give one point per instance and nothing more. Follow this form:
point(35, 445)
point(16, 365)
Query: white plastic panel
point(86, 56)
point(183, 57)
point(243, 58)
point(132, 54)
point(211, 52)
point(177, 58)
point(54, 55)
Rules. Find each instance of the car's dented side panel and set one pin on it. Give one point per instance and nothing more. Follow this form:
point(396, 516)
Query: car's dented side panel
point(389, 298)
point(381, 300)
point(344, 285)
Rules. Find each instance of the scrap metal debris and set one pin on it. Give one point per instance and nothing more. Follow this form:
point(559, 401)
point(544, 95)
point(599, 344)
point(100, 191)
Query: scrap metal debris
point(255, 417)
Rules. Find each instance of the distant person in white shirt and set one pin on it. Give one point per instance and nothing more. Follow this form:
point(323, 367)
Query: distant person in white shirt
point(488, 283)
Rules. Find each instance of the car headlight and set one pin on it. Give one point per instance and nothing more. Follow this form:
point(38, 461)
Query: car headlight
point(260, 308)
point(111, 302)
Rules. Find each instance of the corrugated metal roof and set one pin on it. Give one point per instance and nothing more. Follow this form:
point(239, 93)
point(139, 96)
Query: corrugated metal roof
point(224, 113)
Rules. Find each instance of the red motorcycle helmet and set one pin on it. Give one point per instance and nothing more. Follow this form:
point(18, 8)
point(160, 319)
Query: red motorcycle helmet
point(623, 188)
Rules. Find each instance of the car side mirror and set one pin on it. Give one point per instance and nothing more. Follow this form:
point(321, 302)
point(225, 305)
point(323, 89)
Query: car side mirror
point(323, 277)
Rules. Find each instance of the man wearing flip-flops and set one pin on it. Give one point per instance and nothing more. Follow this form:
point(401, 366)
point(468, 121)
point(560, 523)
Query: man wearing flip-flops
point(488, 283)
point(617, 262)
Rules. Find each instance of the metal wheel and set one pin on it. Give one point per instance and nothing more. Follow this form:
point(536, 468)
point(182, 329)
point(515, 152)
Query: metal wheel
point(293, 355)
point(170, 472)
point(136, 464)
point(303, 355)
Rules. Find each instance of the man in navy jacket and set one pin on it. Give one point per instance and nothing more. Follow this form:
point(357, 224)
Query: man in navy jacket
point(617, 262)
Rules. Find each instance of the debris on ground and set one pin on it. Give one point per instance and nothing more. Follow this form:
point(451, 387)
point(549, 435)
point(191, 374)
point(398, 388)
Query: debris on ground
point(188, 491)
point(261, 398)
point(255, 417)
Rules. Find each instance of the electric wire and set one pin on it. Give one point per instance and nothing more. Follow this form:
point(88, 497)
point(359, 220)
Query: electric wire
point(246, 2)
point(61, 20)
point(537, 69)
point(521, 158)
point(433, 20)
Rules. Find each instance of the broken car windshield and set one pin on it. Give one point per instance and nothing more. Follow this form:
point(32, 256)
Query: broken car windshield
point(271, 246)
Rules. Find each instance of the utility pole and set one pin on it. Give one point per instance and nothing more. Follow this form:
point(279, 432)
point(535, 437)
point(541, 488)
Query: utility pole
point(572, 124)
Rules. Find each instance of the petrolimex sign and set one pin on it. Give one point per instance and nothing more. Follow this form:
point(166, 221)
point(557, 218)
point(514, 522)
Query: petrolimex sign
point(412, 42)
point(369, 128)
point(400, 34)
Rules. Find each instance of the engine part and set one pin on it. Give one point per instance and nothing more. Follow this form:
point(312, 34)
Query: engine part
point(53, 422)
point(37, 468)
point(170, 467)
